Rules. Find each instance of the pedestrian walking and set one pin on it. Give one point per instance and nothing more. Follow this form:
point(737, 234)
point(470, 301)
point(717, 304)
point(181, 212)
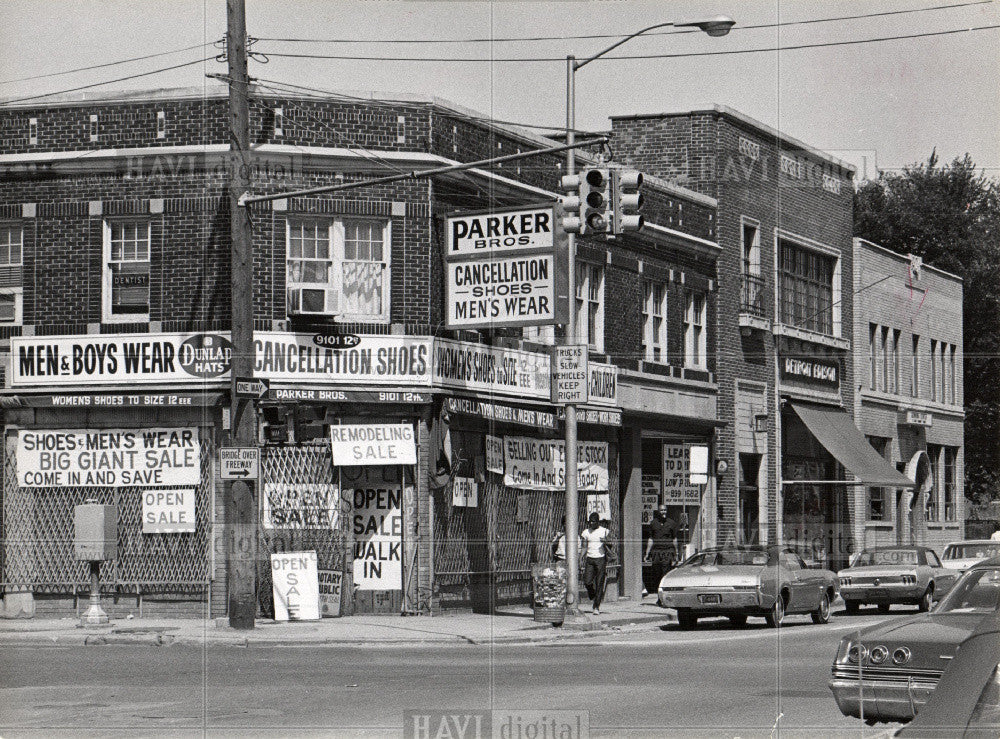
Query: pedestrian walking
point(661, 547)
point(594, 541)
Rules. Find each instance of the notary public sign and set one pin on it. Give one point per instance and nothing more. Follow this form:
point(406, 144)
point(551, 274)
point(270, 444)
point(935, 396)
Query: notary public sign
point(156, 457)
point(504, 268)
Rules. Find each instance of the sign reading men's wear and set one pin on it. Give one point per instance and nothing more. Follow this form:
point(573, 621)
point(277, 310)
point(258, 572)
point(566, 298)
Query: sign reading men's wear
point(540, 464)
point(378, 528)
point(373, 443)
point(503, 269)
point(167, 457)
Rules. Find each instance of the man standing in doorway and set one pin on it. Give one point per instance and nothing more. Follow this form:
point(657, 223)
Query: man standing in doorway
point(661, 547)
point(597, 548)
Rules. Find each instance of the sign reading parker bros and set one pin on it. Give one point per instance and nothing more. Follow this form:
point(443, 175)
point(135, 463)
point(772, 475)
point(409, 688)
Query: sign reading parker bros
point(824, 372)
point(504, 268)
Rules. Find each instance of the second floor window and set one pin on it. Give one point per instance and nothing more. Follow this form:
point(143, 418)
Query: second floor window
point(752, 297)
point(694, 331)
point(806, 288)
point(654, 324)
point(11, 279)
point(590, 305)
point(338, 268)
point(915, 368)
point(126, 280)
point(935, 392)
point(891, 361)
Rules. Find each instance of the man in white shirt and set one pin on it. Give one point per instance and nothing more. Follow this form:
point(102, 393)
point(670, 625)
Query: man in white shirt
point(595, 545)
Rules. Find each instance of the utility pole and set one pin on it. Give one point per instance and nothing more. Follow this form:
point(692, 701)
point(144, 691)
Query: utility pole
point(241, 507)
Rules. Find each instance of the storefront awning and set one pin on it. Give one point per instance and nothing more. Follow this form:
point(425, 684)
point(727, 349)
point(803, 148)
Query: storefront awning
point(835, 430)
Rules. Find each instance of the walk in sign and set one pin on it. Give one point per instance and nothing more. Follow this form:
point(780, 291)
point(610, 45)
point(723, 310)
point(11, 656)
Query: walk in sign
point(239, 463)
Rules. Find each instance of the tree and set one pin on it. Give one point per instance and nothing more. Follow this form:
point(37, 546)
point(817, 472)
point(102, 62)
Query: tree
point(950, 216)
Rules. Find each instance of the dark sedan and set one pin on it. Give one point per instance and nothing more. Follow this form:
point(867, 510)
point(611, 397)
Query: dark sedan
point(887, 671)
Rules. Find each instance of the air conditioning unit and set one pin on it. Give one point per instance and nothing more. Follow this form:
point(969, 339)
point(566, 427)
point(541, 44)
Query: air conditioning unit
point(305, 301)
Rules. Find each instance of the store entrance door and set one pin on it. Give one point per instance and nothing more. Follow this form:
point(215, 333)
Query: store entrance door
point(749, 498)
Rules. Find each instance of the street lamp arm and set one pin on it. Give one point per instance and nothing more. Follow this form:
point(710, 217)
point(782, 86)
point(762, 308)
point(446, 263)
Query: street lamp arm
point(598, 55)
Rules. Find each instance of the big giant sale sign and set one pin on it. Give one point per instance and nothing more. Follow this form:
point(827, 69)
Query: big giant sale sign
point(157, 457)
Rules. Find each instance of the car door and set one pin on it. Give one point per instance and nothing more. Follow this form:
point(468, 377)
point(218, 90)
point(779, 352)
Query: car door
point(944, 578)
point(793, 572)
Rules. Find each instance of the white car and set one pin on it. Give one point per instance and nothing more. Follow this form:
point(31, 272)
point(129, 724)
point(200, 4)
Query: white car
point(961, 555)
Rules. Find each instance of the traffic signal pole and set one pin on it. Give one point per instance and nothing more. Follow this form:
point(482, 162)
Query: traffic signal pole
point(572, 503)
point(241, 507)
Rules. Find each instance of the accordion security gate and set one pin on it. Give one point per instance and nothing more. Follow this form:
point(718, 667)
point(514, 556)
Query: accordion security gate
point(37, 537)
point(483, 555)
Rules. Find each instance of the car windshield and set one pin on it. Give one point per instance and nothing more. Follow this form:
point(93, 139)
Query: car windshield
point(976, 590)
point(727, 557)
point(972, 551)
point(886, 557)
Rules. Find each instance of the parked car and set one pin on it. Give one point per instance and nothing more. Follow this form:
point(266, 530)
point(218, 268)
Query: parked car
point(887, 575)
point(886, 672)
point(738, 582)
point(961, 555)
point(966, 701)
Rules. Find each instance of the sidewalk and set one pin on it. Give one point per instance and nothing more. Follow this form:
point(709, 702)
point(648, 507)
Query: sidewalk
point(510, 625)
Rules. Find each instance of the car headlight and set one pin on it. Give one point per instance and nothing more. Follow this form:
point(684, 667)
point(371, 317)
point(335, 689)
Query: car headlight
point(901, 655)
point(856, 653)
point(878, 655)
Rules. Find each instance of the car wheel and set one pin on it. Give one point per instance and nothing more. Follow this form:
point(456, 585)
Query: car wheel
point(851, 606)
point(685, 619)
point(777, 613)
point(883, 607)
point(926, 600)
point(738, 620)
point(822, 613)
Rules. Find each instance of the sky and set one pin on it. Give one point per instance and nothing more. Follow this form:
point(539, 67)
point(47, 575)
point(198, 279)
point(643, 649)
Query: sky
point(878, 105)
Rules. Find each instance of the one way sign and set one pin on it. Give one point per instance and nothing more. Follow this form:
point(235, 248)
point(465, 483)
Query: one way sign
point(249, 387)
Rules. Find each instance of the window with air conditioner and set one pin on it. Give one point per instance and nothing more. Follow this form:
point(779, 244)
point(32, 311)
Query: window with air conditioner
point(338, 269)
point(127, 271)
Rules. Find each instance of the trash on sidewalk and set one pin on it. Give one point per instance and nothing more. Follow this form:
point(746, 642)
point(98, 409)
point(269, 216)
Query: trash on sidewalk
point(549, 582)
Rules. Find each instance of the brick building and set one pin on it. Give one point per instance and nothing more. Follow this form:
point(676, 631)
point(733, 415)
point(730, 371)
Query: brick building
point(116, 287)
point(785, 370)
point(908, 355)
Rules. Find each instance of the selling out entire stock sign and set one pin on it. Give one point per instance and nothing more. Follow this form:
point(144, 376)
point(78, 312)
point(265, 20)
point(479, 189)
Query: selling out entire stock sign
point(505, 268)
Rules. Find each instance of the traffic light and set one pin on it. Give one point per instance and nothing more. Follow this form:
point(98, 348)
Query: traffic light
point(309, 422)
point(626, 201)
point(570, 219)
point(275, 423)
point(595, 192)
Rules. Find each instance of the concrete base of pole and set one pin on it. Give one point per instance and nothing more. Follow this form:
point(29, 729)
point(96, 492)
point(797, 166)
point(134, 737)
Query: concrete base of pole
point(95, 615)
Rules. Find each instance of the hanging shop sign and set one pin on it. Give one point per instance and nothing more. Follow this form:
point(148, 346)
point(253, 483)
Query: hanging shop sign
point(168, 511)
point(331, 583)
point(494, 453)
point(295, 586)
point(160, 457)
point(501, 232)
point(384, 360)
point(503, 268)
point(300, 505)
point(491, 369)
point(59, 361)
point(465, 492)
point(599, 503)
point(677, 486)
point(378, 529)
point(373, 443)
point(540, 464)
point(811, 370)
point(602, 384)
point(501, 413)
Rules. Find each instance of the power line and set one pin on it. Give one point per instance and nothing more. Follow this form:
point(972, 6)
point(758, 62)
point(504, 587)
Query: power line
point(107, 82)
point(105, 64)
point(495, 60)
point(612, 35)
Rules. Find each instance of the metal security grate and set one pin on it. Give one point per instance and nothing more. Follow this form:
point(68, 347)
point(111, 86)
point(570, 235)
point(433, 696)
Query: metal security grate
point(38, 537)
point(309, 463)
point(492, 546)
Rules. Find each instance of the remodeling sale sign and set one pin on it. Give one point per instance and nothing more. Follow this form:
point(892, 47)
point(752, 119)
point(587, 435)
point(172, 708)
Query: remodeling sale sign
point(505, 268)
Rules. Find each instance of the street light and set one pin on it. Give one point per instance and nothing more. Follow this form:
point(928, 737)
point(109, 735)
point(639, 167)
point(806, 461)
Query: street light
point(716, 26)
